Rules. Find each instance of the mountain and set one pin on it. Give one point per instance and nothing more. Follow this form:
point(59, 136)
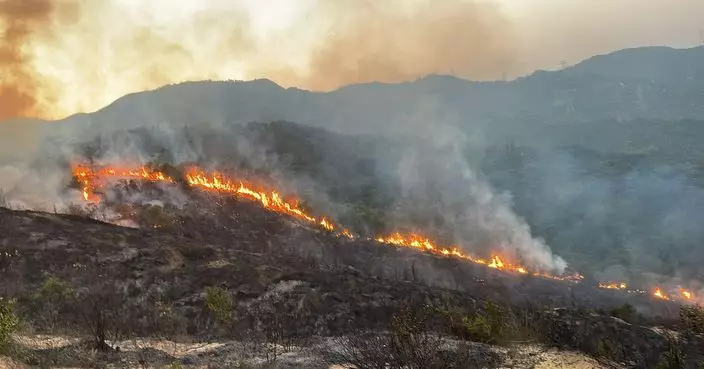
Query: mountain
point(595, 158)
point(646, 83)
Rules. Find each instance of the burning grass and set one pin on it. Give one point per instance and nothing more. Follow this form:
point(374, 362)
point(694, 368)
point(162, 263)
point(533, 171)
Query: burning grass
point(93, 180)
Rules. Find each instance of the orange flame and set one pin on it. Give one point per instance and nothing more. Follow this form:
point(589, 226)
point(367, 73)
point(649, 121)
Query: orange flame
point(660, 295)
point(271, 200)
point(613, 285)
point(92, 179)
point(414, 240)
point(687, 295)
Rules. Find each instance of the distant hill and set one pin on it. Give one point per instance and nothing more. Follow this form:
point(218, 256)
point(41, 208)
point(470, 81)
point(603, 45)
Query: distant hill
point(646, 83)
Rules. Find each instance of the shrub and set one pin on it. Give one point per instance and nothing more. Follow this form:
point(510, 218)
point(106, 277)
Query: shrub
point(488, 326)
point(692, 318)
point(103, 313)
point(51, 298)
point(78, 210)
point(152, 216)
point(627, 313)
point(478, 329)
point(219, 302)
point(409, 344)
point(673, 357)
point(412, 344)
point(9, 321)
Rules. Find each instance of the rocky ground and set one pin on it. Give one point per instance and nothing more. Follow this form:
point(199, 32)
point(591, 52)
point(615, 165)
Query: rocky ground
point(155, 354)
point(227, 281)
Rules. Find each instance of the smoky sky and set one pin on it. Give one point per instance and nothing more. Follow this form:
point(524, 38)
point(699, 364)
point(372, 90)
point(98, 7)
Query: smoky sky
point(62, 57)
point(18, 84)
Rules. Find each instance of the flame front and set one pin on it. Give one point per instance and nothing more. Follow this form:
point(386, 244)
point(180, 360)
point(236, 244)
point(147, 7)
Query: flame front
point(659, 294)
point(271, 200)
point(613, 285)
point(91, 180)
point(414, 240)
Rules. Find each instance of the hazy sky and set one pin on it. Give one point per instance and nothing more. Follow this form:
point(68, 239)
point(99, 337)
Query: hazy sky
point(59, 57)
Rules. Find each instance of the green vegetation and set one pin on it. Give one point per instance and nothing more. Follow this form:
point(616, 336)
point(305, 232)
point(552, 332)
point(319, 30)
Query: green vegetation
point(219, 302)
point(158, 217)
point(673, 358)
point(492, 325)
point(50, 300)
point(9, 322)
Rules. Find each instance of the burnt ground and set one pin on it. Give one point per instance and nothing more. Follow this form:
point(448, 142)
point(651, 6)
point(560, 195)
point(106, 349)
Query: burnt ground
point(289, 281)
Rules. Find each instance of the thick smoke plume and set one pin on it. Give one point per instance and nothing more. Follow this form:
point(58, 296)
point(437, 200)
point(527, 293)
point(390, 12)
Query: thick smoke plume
point(387, 42)
point(442, 191)
point(19, 84)
point(58, 57)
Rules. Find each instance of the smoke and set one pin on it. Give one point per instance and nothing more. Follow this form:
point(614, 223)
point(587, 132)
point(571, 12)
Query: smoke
point(619, 218)
point(60, 58)
point(443, 193)
point(21, 86)
point(386, 42)
point(17, 83)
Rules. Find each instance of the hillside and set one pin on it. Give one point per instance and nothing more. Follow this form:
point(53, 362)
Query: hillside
point(288, 285)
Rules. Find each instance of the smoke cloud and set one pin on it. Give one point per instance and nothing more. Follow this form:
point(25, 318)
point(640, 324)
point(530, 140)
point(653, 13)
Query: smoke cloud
point(60, 58)
point(18, 82)
point(443, 192)
point(382, 41)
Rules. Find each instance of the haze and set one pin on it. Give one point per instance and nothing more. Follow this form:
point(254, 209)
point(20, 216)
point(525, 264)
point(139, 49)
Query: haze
point(63, 57)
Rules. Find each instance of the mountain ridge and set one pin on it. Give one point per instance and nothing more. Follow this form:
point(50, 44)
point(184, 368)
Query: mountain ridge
point(640, 83)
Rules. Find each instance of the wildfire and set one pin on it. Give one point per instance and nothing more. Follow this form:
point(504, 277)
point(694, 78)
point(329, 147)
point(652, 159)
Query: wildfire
point(90, 179)
point(93, 179)
point(679, 294)
point(271, 200)
point(416, 241)
point(687, 295)
point(660, 295)
point(613, 286)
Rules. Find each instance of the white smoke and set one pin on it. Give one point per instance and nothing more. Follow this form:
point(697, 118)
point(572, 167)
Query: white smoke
point(441, 189)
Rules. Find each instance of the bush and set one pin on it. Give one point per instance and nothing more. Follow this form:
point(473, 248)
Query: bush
point(673, 357)
point(627, 313)
point(152, 216)
point(409, 344)
point(219, 302)
point(488, 326)
point(104, 314)
point(9, 321)
point(692, 318)
point(78, 210)
point(49, 301)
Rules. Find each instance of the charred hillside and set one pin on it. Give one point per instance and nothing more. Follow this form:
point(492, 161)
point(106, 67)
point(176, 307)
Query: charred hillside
point(614, 212)
point(283, 276)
